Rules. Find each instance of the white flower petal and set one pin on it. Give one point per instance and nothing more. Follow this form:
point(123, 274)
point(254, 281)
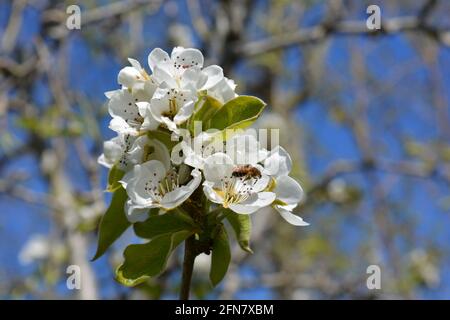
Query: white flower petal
point(193, 79)
point(157, 56)
point(290, 217)
point(217, 166)
point(154, 169)
point(255, 202)
point(135, 64)
point(103, 161)
point(261, 183)
point(278, 163)
point(245, 149)
point(144, 176)
point(163, 73)
point(176, 197)
point(156, 150)
point(135, 213)
point(187, 58)
point(150, 87)
point(109, 94)
point(210, 193)
point(112, 151)
point(191, 158)
point(158, 107)
point(122, 105)
point(214, 76)
point(128, 77)
point(119, 125)
point(137, 150)
point(184, 113)
point(169, 124)
point(141, 93)
point(142, 108)
point(194, 149)
point(149, 123)
point(223, 90)
point(288, 190)
point(128, 178)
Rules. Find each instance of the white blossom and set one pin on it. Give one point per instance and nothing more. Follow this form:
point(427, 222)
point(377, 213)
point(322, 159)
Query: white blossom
point(126, 112)
point(288, 191)
point(226, 185)
point(155, 184)
point(238, 173)
point(171, 106)
point(136, 78)
point(241, 148)
point(181, 79)
point(168, 95)
point(115, 151)
point(125, 151)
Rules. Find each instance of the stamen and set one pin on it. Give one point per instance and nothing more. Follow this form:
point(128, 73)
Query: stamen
point(169, 183)
point(236, 189)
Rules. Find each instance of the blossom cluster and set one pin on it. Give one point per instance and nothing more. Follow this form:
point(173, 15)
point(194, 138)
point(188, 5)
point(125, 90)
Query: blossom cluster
point(233, 171)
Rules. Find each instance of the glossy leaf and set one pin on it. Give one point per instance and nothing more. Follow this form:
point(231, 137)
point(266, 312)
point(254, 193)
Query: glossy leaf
point(149, 259)
point(113, 223)
point(128, 282)
point(241, 224)
point(115, 174)
point(220, 257)
point(169, 222)
point(208, 106)
point(238, 113)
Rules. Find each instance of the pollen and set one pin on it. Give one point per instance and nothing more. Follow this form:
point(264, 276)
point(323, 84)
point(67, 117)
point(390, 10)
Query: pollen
point(236, 189)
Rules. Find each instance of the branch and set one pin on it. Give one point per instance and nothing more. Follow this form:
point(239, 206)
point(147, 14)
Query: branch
point(115, 9)
point(11, 186)
point(9, 38)
point(96, 15)
point(188, 267)
point(344, 28)
point(402, 168)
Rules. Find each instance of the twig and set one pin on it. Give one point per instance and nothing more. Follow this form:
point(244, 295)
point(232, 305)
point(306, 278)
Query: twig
point(345, 28)
point(188, 267)
point(13, 28)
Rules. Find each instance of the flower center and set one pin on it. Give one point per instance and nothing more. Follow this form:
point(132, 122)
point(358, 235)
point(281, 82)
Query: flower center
point(173, 109)
point(158, 188)
point(236, 188)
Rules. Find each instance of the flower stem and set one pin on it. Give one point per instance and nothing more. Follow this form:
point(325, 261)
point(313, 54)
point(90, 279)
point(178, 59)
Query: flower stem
point(188, 267)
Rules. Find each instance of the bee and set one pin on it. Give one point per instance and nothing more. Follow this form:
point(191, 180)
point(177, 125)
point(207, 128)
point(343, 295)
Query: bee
point(246, 171)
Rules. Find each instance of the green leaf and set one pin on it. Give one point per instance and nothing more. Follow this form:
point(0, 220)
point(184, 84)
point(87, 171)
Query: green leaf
point(169, 222)
point(206, 108)
point(128, 282)
point(149, 259)
point(242, 225)
point(115, 174)
point(113, 223)
point(238, 113)
point(220, 257)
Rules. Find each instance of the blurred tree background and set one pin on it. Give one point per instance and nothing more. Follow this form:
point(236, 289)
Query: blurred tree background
point(364, 113)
